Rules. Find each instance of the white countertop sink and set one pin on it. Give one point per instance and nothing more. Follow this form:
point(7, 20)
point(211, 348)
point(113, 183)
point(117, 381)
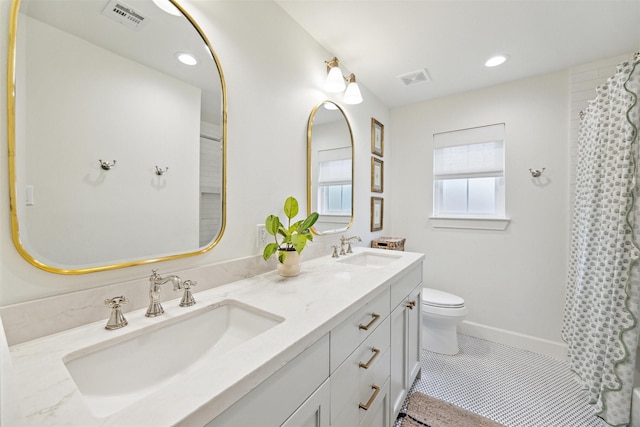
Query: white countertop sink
point(370, 259)
point(114, 374)
point(190, 364)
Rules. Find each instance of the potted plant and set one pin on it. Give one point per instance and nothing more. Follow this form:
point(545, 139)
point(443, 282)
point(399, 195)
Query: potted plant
point(293, 238)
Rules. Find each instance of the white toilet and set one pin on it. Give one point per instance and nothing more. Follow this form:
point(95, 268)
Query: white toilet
point(441, 314)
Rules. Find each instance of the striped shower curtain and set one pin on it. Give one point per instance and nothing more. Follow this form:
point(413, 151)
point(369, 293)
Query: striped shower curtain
point(600, 324)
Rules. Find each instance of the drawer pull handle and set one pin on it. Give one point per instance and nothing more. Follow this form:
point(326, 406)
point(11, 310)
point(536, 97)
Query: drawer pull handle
point(371, 399)
point(368, 325)
point(411, 304)
point(376, 352)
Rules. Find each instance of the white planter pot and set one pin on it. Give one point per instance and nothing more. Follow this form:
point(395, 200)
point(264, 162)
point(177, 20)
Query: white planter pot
point(291, 265)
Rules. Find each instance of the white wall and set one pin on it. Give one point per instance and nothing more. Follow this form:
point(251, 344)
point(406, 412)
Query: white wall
point(512, 280)
point(274, 73)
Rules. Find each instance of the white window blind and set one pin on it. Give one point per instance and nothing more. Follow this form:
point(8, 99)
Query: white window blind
point(334, 166)
point(469, 153)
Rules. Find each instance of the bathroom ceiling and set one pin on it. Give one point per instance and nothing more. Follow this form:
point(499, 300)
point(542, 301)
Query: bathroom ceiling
point(379, 40)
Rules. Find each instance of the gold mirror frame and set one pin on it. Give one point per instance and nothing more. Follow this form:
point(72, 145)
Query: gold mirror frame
point(11, 135)
point(310, 165)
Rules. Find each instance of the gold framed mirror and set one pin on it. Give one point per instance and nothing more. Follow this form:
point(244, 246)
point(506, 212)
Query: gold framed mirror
point(330, 168)
point(117, 151)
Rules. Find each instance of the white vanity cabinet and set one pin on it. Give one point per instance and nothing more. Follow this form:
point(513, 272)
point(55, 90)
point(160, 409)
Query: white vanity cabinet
point(356, 376)
point(296, 395)
point(337, 346)
point(405, 319)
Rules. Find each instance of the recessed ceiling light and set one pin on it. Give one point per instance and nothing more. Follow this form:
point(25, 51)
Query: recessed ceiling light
point(496, 60)
point(168, 7)
point(186, 58)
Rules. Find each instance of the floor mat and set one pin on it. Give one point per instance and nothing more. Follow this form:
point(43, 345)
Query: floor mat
point(427, 411)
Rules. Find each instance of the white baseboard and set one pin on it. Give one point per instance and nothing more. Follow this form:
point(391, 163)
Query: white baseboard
point(557, 350)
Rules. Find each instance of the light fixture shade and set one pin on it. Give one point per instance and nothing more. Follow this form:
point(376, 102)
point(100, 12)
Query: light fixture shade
point(352, 95)
point(494, 61)
point(335, 80)
point(186, 58)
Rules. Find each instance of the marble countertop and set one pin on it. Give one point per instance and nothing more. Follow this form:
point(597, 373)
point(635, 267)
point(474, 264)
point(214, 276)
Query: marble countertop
point(324, 294)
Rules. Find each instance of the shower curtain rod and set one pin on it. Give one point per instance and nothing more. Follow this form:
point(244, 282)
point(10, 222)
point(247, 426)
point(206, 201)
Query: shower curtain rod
point(636, 58)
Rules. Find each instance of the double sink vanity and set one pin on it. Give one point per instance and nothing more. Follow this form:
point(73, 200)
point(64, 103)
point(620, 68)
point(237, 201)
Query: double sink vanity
point(337, 345)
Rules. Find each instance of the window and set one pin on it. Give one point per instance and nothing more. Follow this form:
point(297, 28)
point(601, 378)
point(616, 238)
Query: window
point(468, 173)
point(334, 187)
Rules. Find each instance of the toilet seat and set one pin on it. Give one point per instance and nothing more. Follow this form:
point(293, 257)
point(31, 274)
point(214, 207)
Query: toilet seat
point(436, 298)
point(442, 303)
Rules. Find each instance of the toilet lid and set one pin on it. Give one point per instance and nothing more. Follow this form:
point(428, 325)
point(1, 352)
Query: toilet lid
point(436, 298)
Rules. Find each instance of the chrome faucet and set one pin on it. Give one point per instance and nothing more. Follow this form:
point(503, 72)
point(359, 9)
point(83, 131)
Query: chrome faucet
point(155, 281)
point(348, 240)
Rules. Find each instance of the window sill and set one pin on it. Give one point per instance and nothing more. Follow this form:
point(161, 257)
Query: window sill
point(499, 224)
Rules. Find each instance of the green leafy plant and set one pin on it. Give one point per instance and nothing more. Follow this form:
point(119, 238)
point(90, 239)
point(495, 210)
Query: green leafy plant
point(292, 237)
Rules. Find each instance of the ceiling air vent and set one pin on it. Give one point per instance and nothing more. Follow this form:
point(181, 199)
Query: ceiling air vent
point(124, 14)
point(415, 77)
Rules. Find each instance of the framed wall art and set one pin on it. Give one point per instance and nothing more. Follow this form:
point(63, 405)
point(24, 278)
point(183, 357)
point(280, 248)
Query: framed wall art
point(377, 175)
point(377, 213)
point(377, 137)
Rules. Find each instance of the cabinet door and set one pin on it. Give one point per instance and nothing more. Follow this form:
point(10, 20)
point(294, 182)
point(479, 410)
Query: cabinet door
point(314, 412)
point(414, 310)
point(399, 335)
point(378, 413)
point(406, 330)
point(279, 396)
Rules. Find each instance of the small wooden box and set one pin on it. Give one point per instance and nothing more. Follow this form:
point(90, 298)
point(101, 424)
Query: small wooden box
point(390, 243)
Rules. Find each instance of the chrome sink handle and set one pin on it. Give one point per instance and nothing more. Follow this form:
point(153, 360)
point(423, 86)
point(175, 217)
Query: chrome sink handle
point(187, 298)
point(116, 320)
point(335, 251)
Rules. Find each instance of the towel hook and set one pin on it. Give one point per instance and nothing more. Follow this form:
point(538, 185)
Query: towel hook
point(161, 171)
point(106, 165)
point(536, 172)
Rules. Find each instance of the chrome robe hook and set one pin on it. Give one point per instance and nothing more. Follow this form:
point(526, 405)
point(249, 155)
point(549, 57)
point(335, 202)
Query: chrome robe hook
point(106, 165)
point(536, 172)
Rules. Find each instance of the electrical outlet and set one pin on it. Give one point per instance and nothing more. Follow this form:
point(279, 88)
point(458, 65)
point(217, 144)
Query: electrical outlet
point(261, 236)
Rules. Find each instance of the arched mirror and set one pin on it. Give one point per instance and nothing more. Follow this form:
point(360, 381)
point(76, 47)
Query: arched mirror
point(330, 168)
point(116, 148)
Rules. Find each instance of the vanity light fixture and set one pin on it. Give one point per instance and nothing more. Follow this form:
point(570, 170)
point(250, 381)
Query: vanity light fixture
point(335, 83)
point(186, 58)
point(352, 95)
point(335, 80)
point(496, 60)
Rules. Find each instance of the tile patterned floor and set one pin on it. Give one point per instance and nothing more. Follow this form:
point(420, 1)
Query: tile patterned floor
point(511, 386)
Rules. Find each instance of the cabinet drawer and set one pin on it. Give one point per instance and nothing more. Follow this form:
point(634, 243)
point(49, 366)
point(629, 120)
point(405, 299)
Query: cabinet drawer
point(375, 378)
point(378, 413)
point(353, 331)
point(405, 284)
point(351, 383)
